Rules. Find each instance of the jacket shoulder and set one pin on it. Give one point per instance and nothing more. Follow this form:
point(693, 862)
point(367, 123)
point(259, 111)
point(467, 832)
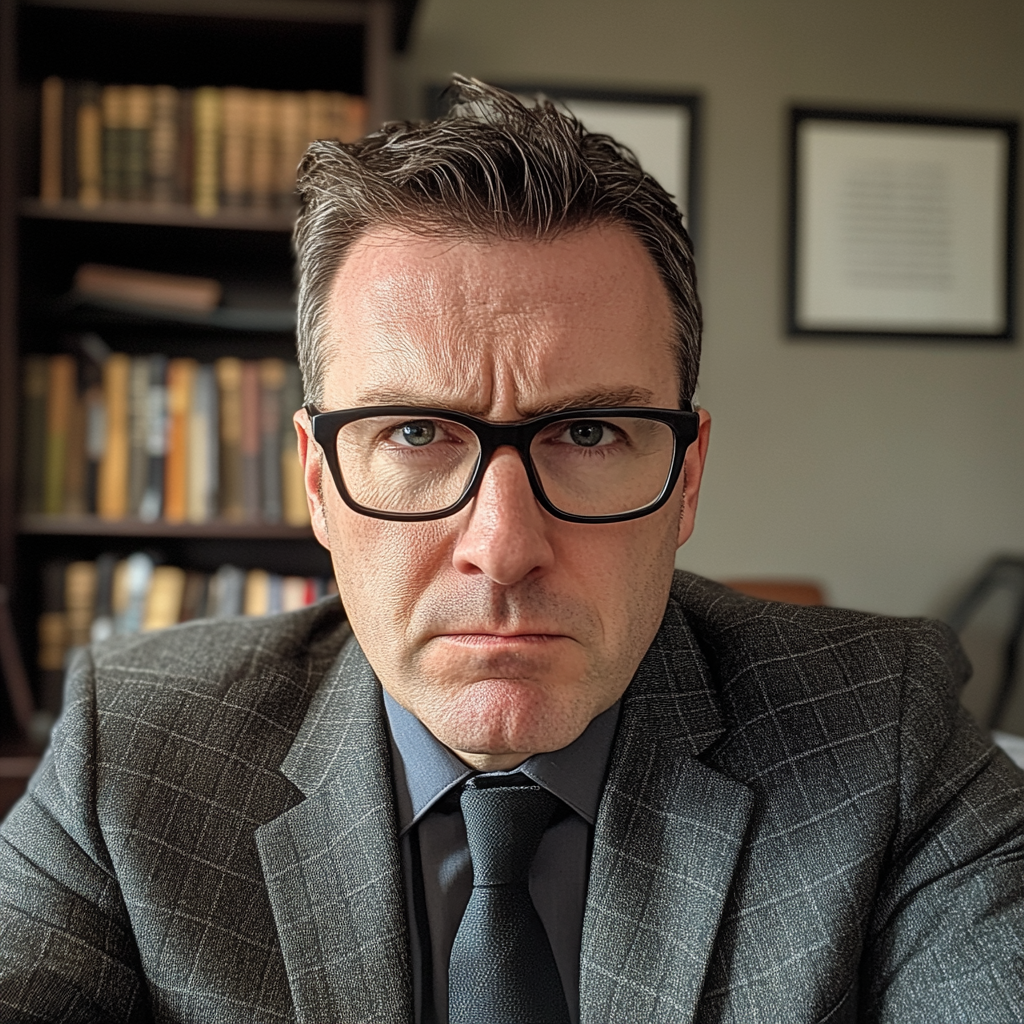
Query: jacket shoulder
point(216, 655)
point(255, 676)
point(747, 637)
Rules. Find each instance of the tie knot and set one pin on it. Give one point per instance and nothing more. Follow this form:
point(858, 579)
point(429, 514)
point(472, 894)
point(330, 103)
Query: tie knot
point(504, 825)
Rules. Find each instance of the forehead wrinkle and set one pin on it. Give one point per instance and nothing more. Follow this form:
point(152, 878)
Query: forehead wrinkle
point(591, 397)
point(452, 375)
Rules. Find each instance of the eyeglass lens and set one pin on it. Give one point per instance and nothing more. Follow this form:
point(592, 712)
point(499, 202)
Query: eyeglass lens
point(586, 467)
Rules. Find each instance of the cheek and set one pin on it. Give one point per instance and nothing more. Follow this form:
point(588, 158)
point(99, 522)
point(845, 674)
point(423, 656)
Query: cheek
point(382, 567)
point(623, 566)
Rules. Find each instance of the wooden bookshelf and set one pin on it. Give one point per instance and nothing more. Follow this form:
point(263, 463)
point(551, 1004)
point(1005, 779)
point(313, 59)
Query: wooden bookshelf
point(177, 216)
point(93, 526)
point(288, 45)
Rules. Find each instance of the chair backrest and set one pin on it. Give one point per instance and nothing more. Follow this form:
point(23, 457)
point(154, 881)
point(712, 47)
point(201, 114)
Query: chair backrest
point(1004, 573)
point(804, 592)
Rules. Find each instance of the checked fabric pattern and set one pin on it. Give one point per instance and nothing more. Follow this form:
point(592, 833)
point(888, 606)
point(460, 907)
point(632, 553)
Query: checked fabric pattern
point(799, 824)
point(502, 967)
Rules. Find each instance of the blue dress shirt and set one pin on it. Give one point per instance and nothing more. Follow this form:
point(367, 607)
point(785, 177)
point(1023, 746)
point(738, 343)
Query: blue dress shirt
point(435, 857)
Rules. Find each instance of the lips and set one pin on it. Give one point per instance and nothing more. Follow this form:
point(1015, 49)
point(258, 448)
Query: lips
point(482, 637)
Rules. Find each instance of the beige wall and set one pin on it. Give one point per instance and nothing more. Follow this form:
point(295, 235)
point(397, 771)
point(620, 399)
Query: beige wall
point(889, 471)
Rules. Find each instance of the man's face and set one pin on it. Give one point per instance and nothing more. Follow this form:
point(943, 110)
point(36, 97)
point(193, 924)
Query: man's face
point(503, 629)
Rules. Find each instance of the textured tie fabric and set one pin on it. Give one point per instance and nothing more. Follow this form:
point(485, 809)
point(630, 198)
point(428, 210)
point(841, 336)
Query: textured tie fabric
point(502, 970)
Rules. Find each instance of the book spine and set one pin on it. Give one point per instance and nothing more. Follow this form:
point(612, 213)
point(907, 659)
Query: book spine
point(51, 163)
point(33, 432)
point(289, 145)
point(271, 384)
point(68, 141)
point(118, 594)
point(357, 117)
point(175, 291)
point(345, 110)
point(186, 159)
point(229, 393)
point(163, 146)
point(194, 598)
point(250, 441)
point(112, 498)
point(79, 601)
point(180, 378)
point(138, 419)
point(95, 436)
point(202, 435)
point(293, 593)
point(236, 136)
point(227, 589)
point(156, 439)
point(257, 592)
point(113, 107)
point(213, 451)
point(53, 638)
point(293, 485)
point(318, 116)
point(102, 626)
point(60, 392)
point(138, 119)
point(206, 117)
point(75, 458)
point(89, 147)
point(263, 111)
point(136, 575)
point(274, 590)
point(164, 599)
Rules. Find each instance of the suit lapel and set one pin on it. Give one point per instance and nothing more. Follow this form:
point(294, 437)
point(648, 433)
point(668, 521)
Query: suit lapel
point(332, 864)
point(666, 843)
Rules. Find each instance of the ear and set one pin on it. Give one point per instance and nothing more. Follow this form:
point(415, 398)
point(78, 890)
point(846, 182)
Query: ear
point(313, 468)
point(693, 470)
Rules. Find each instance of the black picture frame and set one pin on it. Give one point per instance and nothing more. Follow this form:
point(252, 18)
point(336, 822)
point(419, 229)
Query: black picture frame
point(809, 198)
point(565, 94)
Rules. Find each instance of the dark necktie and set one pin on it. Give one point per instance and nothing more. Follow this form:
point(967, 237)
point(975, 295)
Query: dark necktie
point(502, 970)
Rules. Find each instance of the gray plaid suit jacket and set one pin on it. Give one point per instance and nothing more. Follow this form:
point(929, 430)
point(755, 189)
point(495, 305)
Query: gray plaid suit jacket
point(799, 824)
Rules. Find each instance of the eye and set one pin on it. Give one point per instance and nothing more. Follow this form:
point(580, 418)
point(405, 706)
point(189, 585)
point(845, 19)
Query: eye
point(589, 433)
point(416, 434)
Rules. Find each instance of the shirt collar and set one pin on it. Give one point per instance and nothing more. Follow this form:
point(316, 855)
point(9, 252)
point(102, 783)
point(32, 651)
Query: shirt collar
point(425, 769)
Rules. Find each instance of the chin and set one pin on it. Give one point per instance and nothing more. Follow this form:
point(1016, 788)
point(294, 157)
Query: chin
point(501, 716)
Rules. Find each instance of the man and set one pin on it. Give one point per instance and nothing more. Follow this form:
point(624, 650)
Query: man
point(536, 775)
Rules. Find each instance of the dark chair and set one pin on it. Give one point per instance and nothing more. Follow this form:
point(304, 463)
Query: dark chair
point(1002, 573)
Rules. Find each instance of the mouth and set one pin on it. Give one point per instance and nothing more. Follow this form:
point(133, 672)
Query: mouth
point(488, 638)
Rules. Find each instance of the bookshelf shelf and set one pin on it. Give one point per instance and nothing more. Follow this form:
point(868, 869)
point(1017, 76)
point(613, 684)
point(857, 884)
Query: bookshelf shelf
point(179, 216)
point(92, 526)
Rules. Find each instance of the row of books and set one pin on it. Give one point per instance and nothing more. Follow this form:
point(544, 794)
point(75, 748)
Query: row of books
point(149, 437)
point(86, 602)
point(207, 147)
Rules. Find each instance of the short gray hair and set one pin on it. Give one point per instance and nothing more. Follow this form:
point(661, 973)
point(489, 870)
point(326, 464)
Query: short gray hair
point(491, 168)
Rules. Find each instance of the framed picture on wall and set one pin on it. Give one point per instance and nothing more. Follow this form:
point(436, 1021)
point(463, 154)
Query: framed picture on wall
point(660, 128)
point(901, 225)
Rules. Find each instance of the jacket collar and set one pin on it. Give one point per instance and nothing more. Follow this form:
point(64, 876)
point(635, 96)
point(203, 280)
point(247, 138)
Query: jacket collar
point(666, 845)
point(331, 863)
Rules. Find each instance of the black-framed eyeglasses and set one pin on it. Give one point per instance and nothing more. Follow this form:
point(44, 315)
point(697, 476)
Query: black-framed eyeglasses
point(597, 465)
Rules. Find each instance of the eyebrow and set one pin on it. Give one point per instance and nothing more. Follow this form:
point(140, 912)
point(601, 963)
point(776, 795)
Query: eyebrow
point(591, 398)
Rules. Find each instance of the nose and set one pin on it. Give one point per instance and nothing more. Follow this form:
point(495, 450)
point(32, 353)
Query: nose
point(506, 535)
